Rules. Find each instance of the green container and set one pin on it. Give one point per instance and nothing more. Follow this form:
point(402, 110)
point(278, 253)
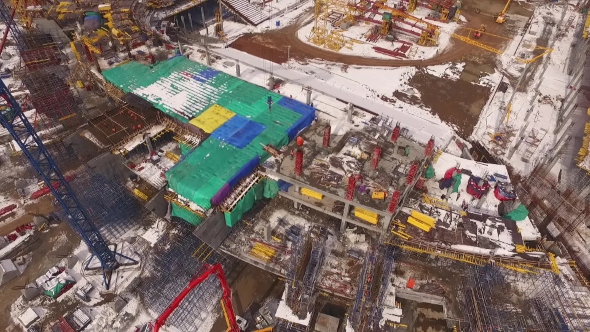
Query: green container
point(387, 16)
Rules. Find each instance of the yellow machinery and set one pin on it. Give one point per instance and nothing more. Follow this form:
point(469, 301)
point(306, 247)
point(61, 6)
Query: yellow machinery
point(412, 5)
point(501, 18)
point(26, 11)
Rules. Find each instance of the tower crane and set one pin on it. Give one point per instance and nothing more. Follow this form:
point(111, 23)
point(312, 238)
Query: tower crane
point(16, 123)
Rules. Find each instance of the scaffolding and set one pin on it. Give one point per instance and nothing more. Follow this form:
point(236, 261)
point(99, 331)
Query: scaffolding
point(361, 302)
point(388, 254)
point(45, 77)
point(543, 302)
point(307, 258)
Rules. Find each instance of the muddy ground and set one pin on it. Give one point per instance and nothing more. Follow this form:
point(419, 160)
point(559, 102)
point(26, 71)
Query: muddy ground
point(48, 249)
point(458, 102)
point(252, 286)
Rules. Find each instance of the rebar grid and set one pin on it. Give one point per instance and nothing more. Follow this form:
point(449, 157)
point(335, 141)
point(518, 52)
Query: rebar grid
point(121, 123)
point(51, 95)
point(483, 298)
point(112, 208)
point(559, 303)
point(287, 326)
point(171, 268)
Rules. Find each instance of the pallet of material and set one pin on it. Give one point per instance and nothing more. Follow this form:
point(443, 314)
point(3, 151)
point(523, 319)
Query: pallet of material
point(370, 217)
point(418, 223)
point(311, 193)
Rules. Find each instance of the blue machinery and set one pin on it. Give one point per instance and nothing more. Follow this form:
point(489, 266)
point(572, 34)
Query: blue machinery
point(14, 120)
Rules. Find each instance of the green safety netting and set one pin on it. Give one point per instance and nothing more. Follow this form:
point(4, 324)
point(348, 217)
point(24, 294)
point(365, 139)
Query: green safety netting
point(266, 188)
point(184, 89)
point(185, 214)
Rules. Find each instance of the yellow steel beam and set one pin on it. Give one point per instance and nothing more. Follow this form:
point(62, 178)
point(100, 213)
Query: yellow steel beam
point(476, 43)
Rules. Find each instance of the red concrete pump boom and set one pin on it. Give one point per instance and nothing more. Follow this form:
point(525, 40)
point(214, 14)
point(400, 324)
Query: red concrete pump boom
point(226, 298)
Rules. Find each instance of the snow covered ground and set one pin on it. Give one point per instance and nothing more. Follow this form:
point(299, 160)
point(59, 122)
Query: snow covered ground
point(534, 112)
point(102, 313)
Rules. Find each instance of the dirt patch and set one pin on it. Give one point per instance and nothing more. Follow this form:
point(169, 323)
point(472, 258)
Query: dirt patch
point(456, 102)
point(43, 206)
point(253, 285)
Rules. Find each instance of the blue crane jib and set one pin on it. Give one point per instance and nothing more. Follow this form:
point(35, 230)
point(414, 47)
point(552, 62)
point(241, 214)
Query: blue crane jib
point(16, 123)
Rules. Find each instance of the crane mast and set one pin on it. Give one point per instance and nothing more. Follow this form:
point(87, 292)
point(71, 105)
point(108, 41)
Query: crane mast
point(16, 123)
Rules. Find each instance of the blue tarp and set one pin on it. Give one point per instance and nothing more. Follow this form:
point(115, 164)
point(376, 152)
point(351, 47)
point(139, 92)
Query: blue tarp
point(296, 106)
point(284, 185)
point(238, 131)
point(244, 171)
point(202, 76)
point(209, 73)
point(307, 115)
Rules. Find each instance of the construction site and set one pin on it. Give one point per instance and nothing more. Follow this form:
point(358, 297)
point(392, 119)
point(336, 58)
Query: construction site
point(233, 165)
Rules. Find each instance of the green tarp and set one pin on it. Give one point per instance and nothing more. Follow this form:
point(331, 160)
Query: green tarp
point(190, 217)
point(55, 291)
point(457, 182)
point(266, 188)
point(518, 214)
point(430, 172)
point(185, 149)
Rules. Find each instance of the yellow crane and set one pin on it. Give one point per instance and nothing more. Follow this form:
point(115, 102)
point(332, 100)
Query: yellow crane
point(501, 18)
point(470, 41)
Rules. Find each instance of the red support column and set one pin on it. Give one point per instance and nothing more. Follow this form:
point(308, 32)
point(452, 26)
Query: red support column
point(420, 183)
point(376, 156)
point(327, 132)
point(394, 201)
point(395, 133)
point(298, 161)
point(429, 148)
point(350, 188)
point(412, 172)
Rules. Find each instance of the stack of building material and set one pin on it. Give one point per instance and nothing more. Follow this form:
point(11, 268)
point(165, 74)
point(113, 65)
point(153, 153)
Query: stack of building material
point(422, 221)
point(368, 216)
point(263, 252)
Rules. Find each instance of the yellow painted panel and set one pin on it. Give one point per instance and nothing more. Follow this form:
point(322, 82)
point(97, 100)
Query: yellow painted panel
point(418, 223)
point(428, 220)
point(311, 193)
point(367, 216)
point(212, 118)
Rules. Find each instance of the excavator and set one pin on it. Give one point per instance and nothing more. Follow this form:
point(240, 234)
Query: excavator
point(234, 323)
point(501, 18)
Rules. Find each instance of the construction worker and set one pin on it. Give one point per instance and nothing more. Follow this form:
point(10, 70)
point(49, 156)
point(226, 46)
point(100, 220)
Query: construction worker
point(292, 154)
